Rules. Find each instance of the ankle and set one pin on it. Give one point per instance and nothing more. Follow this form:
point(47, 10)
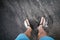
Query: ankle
point(28, 32)
point(41, 34)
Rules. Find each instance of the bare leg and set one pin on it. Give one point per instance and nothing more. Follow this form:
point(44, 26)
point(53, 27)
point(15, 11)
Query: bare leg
point(29, 30)
point(41, 32)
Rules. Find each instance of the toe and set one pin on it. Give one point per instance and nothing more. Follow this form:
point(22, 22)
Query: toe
point(42, 19)
point(26, 23)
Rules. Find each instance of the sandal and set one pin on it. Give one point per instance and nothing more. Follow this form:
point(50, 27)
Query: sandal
point(45, 22)
point(26, 23)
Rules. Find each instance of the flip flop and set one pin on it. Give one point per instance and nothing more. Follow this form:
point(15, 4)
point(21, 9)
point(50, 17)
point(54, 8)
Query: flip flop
point(26, 23)
point(43, 22)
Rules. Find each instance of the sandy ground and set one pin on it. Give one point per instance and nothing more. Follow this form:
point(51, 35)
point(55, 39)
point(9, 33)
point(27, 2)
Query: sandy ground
point(14, 12)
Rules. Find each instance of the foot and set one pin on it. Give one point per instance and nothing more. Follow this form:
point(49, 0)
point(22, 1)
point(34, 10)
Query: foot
point(27, 24)
point(29, 30)
point(41, 32)
point(43, 22)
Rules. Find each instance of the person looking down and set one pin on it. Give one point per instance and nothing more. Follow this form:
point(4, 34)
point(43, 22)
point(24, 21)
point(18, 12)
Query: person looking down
point(42, 35)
